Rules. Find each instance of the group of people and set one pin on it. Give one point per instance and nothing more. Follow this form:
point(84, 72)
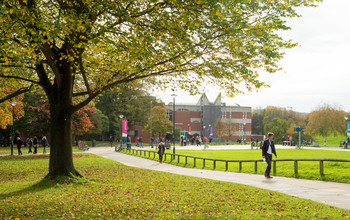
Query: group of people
point(287, 141)
point(32, 144)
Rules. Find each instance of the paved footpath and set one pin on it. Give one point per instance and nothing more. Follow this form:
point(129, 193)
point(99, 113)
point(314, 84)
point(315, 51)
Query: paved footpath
point(334, 194)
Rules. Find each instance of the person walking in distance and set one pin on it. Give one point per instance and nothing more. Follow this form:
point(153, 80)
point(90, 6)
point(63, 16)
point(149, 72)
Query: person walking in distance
point(19, 145)
point(141, 142)
point(137, 142)
point(111, 140)
point(267, 150)
point(35, 145)
point(30, 145)
point(161, 150)
point(45, 143)
point(205, 140)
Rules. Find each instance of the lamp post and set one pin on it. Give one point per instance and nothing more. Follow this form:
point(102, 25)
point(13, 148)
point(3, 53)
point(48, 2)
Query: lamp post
point(346, 122)
point(174, 95)
point(203, 132)
point(121, 129)
point(151, 124)
point(210, 130)
point(244, 132)
point(13, 124)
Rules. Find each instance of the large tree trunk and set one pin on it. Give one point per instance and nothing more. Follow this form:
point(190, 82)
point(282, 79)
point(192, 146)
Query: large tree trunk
point(325, 141)
point(61, 155)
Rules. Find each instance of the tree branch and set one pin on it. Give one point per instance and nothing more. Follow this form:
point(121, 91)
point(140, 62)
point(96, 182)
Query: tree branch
point(17, 93)
point(19, 78)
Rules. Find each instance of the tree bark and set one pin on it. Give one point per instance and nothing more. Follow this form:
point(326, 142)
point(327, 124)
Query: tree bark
point(60, 98)
point(61, 155)
point(325, 141)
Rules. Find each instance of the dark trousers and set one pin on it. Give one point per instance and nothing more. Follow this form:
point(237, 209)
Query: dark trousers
point(161, 158)
point(268, 158)
point(35, 150)
point(30, 149)
point(19, 151)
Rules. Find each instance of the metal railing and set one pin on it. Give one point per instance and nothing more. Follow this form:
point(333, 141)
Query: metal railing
point(226, 162)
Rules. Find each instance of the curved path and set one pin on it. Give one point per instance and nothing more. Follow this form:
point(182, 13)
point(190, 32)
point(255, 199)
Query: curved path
point(334, 194)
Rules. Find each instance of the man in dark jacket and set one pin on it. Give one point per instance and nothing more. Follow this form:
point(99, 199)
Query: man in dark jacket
point(19, 145)
point(161, 150)
point(267, 150)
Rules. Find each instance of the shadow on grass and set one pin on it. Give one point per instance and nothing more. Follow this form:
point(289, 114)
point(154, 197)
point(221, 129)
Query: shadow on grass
point(45, 184)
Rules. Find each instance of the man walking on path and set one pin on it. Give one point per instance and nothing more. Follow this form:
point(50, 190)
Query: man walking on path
point(267, 150)
point(141, 142)
point(35, 145)
point(111, 140)
point(19, 145)
point(161, 150)
point(205, 142)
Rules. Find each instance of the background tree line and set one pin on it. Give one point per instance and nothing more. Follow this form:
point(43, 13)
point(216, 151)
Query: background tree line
point(98, 120)
point(325, 120)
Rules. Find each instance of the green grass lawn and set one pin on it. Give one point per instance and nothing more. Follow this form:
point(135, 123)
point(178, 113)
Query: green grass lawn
point(115, 191)
point(334, 171)
point(332, 141)
point(7, 150)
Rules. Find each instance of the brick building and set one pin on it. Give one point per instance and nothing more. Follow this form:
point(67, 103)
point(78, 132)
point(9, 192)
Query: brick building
point(201, 118)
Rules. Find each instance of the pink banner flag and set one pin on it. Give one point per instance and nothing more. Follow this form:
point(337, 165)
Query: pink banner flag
point(125, 128)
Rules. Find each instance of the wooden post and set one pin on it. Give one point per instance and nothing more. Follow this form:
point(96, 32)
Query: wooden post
point(203, 163)
point(149, 154)
point(256, 166)
point(321, 168)
point(295, 167)
point(194, 162)
point(178, 158)
point(226, 165)
point(214, 164)
point(185, 160)
point(274, 168)
point(240, 166)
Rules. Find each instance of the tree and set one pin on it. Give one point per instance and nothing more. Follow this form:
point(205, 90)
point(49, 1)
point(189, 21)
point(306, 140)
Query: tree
point(6, 107)
point(327, 120)
point(223, 129)
point(133, 103)
point(279, 127)
point(161, 124)
point(257, 122)
point(83, 48)
point(220, 128)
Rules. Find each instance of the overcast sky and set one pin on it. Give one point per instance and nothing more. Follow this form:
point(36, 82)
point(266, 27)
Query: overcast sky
point(317, 71)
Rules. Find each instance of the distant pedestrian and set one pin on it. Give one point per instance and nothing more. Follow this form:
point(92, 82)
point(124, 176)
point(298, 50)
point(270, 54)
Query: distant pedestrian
point(30, 145)
point(205, 140)
point(198, 142)
point(19, 145)
point(283, 140)
point(267, 150)
point(152, 141)
point(210, 140)
point(185, 141)
point(137, 142)
point(111, 140)
point(161, 150)
point(141, 142)
point(45, 143)
point(35, 145)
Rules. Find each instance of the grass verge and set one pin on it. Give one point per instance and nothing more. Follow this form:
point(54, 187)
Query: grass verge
point(333, 171)
point(114, 191)
point(7, 150)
